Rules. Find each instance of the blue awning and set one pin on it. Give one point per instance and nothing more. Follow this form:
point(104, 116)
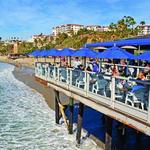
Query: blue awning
point(116, 53)
point(132, 42)
point(144, 56)
point(85, 52)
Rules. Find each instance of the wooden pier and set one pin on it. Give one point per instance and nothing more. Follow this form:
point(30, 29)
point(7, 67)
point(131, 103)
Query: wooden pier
point(133, 116)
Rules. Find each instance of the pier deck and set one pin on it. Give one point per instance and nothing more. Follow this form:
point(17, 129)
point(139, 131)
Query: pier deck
point(81, 86)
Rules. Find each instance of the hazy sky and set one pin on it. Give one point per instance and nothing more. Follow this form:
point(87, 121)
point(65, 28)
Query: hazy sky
point(24, 18)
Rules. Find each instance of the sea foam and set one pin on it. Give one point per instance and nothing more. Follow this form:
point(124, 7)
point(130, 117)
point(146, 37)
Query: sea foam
point(26, 121)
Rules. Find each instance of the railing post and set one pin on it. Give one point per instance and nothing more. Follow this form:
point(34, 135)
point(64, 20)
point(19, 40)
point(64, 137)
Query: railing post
point(45, 72)
point(85, 87)
point(88, 83)
point(149, 105)
point(58, 74)
point(70, 76)
point(138, 70)
point(35, 70)
point(67, 75)
point(113, 92)
point(55, 72)
point(48, 72)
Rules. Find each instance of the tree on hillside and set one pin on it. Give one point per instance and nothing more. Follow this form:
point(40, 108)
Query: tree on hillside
point(112, 26)
point(142, 23)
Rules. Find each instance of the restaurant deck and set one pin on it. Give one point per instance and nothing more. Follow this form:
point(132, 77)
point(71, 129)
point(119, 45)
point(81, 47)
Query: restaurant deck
point(101, 93)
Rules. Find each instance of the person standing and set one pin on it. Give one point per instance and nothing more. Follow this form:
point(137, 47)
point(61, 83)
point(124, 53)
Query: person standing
point(76, 63)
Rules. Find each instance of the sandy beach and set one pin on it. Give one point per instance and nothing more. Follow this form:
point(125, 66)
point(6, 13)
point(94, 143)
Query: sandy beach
point(24, 71)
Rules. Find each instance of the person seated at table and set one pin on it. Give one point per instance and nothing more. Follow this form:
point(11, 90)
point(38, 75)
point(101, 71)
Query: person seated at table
point(95, 67)
point(147, 69)
point(88, 68)
point(141, 76)
point(81, 67)
point(140, 92)
point(115, 71)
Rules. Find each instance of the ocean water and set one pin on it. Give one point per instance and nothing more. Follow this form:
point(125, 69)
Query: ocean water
point(26, 121)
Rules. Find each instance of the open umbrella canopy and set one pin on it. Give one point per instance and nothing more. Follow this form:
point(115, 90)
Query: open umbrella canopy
point(85, 52)
point(32, 53)
point(144, 56)
point(65, 52)
point(129, 47)
point(125, 42)
point(116, 53)
point(52, 52)
point(36, 53)
point(42, 53)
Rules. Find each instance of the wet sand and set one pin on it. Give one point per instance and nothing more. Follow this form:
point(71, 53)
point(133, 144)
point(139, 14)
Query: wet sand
point(26, 75)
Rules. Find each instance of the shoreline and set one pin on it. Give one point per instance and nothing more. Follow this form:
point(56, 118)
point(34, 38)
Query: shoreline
point(25, 74)
point(22, 75)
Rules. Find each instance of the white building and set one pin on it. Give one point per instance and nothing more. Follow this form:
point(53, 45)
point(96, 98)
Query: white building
point(145, 29)
point(97, 28)
point(67, 28)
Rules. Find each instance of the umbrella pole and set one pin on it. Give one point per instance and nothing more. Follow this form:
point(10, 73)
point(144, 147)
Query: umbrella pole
point(84, 62)
point(54, 60)
point(69, 61)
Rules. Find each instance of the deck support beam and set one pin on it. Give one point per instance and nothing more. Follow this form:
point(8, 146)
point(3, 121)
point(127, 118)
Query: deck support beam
point(57, 111)
point(108, 133)
point(79, 125)
point(71, 103)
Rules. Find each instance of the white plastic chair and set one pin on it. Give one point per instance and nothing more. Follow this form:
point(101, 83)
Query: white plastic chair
point(80, 81)
point(133, 100)
point(100, 86)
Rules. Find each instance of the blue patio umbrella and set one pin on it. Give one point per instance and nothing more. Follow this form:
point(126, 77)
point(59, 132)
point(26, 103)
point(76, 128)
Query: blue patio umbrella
point(52, 52)
point(32, 53)
point(37, 53)
point(144, 56)
point(116, 53)
point(85, 52)
point(65, 52)
point(43, 53)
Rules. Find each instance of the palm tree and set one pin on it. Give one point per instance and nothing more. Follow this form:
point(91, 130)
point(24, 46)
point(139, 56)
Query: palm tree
point(142, 23)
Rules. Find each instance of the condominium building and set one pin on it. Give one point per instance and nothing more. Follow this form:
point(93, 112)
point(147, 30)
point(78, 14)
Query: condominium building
point(145, 30)
point(40, 36)
point(97, 28)
point(67, 28)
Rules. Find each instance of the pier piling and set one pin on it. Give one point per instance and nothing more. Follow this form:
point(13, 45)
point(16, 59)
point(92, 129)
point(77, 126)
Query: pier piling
point(79, 125)
point(57, 116)
point(108, 133)
point(71, 103)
